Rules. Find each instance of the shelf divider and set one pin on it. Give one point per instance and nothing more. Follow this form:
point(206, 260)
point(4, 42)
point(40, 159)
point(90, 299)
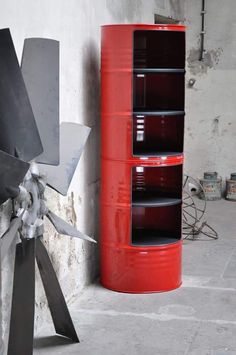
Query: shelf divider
point(158, 70)
point(150, 201)
point(158, 113)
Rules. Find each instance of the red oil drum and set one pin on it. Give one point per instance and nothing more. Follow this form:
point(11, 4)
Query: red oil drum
point(142, 128)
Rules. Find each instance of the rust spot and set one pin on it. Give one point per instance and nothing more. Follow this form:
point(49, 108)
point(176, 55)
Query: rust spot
point(215, 126)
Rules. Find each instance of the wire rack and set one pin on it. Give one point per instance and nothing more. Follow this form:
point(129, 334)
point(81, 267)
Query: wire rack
point(194, 211)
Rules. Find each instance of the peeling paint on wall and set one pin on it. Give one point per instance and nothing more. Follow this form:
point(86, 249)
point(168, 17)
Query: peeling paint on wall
point(70, 210)
point(6, 277)
point(211, 59)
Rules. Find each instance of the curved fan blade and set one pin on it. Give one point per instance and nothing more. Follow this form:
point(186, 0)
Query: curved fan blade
point(40, 69)
point(72, 140)
point(63, 227)
point(12, 173)
point(18, 134)
point(9, 236)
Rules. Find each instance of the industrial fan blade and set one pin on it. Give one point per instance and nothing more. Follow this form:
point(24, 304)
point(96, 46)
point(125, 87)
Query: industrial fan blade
point(19, 135)
point(22, 312)
point(40, 69)
point(73, 137)
point(12, 173)
point(60, 315)
point(63, 227)
point(9, 236)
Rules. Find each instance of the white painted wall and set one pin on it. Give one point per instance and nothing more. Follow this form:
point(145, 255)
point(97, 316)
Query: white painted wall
point(209, 145)
point(76, 24)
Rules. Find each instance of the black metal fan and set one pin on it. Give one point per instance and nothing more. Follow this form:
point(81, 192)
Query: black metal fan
point(30, 159)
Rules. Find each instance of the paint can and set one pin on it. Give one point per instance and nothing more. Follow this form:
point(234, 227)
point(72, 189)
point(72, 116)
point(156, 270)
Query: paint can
point(231, 188)
point(212, 186)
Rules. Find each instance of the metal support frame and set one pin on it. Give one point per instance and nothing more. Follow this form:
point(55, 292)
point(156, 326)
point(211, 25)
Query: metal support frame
point(21, 333)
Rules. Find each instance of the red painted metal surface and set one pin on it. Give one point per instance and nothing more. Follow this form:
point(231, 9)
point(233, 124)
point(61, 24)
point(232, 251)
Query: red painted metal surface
point(125, 267)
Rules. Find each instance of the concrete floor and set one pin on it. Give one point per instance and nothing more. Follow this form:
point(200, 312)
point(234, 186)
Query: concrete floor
point(197, 319)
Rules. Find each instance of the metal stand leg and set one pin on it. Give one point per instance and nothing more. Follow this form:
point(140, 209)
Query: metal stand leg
point(23, 300)
point(60, 314)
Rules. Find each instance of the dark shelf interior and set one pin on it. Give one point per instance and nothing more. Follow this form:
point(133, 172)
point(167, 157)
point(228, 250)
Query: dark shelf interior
point(156, 225)
point(159, 49)
point(158, 91)
point(149, 153)
point(158, 130)
point(156, 183)
point(158, 135)
point(152, 237)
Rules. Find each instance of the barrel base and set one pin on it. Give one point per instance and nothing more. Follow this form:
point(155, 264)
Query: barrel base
point(140, 292)
point(142, 270)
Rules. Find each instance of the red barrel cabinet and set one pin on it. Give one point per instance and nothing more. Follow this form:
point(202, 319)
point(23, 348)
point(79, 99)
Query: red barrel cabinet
point(142, 127)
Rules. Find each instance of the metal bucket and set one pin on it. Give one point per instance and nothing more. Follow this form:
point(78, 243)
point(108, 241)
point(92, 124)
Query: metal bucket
point(231, 188)
point(212, 186)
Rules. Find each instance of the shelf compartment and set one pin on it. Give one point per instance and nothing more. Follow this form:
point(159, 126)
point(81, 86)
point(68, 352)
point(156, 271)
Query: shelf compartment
point(156, 225)
point(158, 92)
point(161, 185)
point(152, 237)
point(159, 49)
point(158, 135)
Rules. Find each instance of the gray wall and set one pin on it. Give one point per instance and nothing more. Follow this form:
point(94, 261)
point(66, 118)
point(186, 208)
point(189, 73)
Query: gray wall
point(210, 135)
point(210, 105)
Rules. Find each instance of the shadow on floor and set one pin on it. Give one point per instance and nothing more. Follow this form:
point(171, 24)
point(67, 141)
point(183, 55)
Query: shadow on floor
point(50, 341)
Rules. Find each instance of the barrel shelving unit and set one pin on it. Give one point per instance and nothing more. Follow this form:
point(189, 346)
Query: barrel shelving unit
point(142, 126)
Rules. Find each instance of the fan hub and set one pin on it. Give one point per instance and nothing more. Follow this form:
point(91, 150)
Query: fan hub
point(31, 199)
